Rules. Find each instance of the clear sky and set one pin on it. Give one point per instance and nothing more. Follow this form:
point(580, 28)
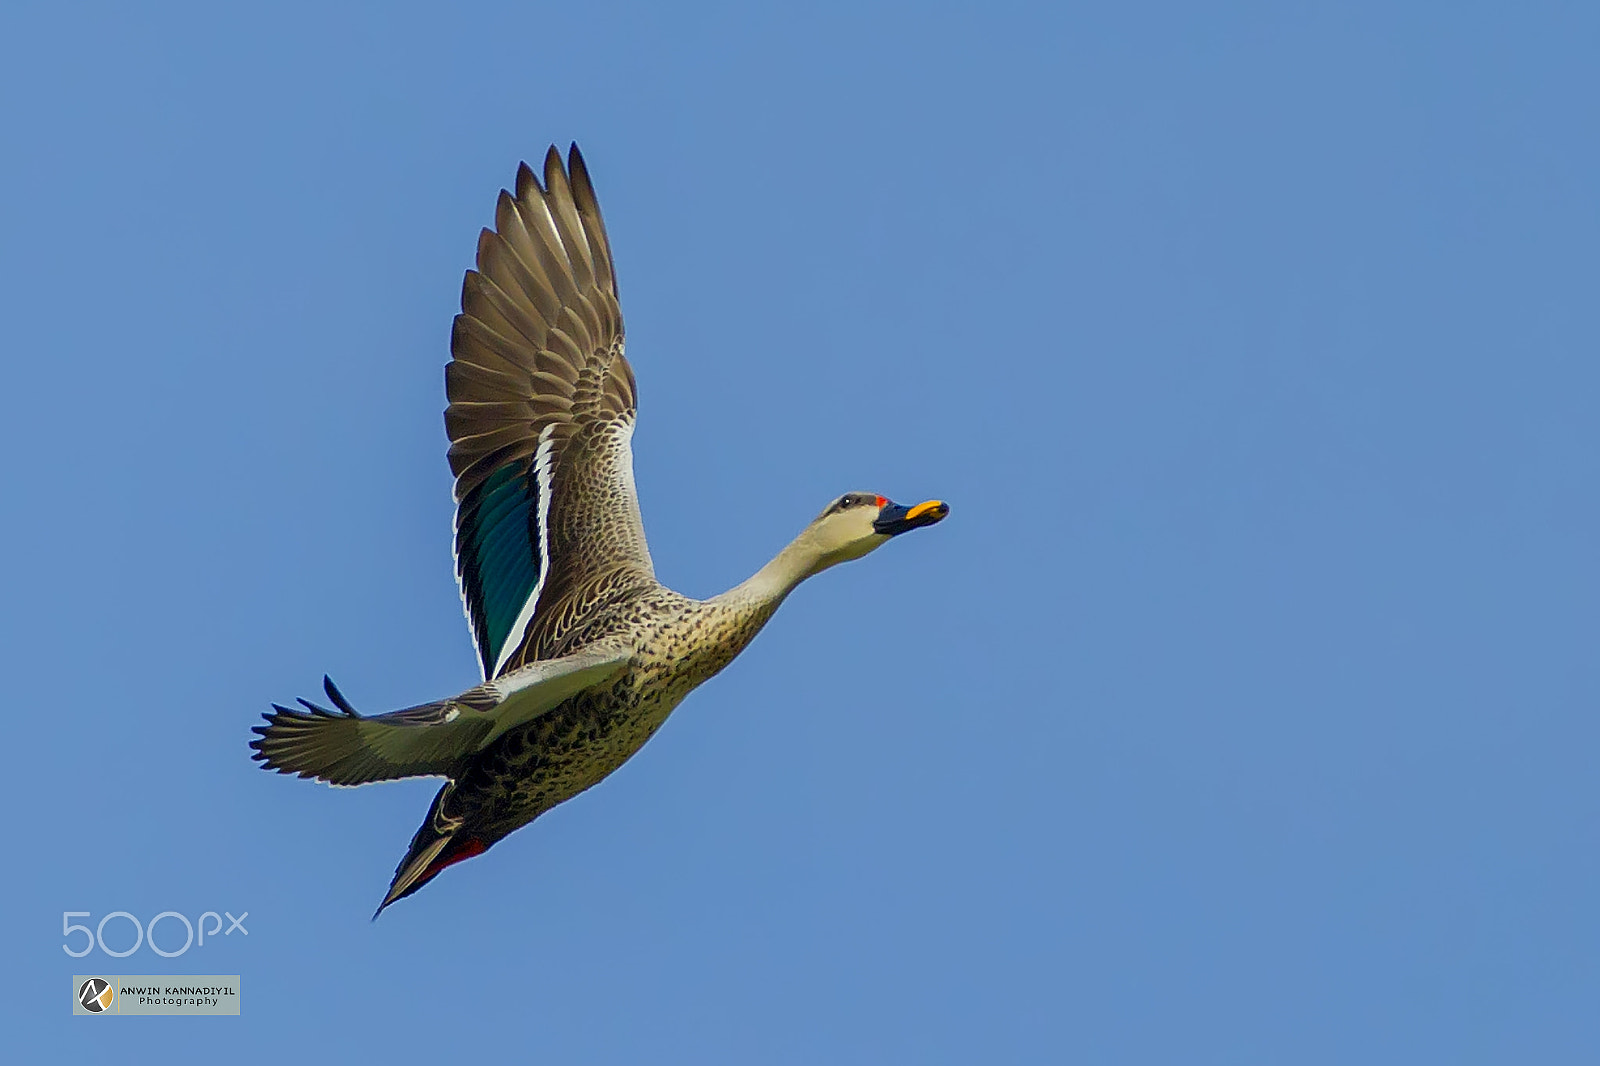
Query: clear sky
point(1243, 711)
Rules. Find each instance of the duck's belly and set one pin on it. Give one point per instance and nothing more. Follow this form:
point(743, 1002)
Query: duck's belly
point(560, 754)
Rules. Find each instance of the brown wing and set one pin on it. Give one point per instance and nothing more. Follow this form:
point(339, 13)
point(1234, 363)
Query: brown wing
point(541, 411)
point(433, 739)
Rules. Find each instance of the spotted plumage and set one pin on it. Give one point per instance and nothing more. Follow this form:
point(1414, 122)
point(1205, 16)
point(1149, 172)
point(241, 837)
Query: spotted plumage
point(583, 652)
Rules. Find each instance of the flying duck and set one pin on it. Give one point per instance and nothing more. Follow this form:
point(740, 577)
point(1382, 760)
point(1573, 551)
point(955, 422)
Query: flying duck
point(583, 652)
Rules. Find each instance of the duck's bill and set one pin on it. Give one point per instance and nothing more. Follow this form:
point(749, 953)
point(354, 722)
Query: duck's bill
point(895, 518)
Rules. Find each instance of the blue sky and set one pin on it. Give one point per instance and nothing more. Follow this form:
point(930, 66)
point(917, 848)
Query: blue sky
point(1242, 711)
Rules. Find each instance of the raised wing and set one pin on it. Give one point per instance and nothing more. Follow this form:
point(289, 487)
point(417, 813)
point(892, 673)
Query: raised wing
point(541, 412)
point(346, 748)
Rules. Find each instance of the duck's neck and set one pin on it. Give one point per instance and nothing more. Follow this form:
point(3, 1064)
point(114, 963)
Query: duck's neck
point(721, 627)
point(767, 587)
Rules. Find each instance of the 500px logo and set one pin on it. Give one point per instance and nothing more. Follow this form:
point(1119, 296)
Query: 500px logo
point(147, 933)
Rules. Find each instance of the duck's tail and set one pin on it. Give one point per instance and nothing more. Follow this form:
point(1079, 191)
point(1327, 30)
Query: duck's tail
point(441, 841)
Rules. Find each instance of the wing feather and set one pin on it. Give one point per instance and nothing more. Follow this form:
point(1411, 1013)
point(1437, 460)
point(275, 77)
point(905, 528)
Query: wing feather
point(542, 403)
point(429, 740)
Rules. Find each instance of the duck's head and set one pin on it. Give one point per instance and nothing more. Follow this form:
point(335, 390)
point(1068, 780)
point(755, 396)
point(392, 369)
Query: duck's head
point(858, 522)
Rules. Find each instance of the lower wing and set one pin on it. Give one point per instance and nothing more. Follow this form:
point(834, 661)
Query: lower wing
point(342, 747)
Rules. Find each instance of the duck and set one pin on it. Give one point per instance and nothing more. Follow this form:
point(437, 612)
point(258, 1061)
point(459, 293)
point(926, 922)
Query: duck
point(583, 653)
